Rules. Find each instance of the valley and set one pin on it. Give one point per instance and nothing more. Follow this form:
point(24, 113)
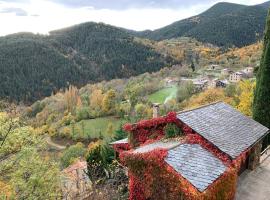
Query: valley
point(68, 98)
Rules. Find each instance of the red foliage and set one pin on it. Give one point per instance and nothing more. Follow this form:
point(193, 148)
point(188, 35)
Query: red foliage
point(152, 178)
point(151, 129)
point(121, 147)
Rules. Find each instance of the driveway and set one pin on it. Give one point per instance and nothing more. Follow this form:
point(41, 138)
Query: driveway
point(255, 185)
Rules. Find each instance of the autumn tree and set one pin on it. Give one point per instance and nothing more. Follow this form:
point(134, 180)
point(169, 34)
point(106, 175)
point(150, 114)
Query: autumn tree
point(23, 166)
point(261, 108)
point(72, 98)
point(245, 97)
point(206, 97)
point(96, 99)
point(108, 102)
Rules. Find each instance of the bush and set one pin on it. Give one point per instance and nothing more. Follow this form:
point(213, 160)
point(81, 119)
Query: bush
point(172, 130)
point(185, 91)
point(66, 120)
point(72, 153)
point(82, 113)
point(99, 158)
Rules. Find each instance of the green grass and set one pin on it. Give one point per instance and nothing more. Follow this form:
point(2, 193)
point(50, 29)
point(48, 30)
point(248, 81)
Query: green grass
point(163, 95)
point(94, 128)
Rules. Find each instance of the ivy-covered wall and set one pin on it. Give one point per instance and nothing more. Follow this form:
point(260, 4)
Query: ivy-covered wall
point(151, 178)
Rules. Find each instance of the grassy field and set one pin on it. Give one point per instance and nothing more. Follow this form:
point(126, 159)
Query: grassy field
point(163, 95)
point(93, 128)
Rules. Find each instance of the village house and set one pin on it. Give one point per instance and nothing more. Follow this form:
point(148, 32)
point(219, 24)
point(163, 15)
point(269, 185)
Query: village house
point(199, 84)
point(214, 67)
point(217, 83)
point(194, 154)
point(236, 77)
point(226, 72)
point(248, 71)
point(75, 181)
point(170, 81)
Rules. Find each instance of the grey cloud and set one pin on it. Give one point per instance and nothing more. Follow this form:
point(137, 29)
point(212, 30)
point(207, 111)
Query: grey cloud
point(17, 11)
point(124, 4)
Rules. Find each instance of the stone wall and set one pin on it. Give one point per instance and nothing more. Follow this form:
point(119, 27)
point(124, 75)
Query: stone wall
point(254, 157)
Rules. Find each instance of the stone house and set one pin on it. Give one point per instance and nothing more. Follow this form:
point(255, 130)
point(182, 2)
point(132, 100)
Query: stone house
point(248, 71)
point(217, 144)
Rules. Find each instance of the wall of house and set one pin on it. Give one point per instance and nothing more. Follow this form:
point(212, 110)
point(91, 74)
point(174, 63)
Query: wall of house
point(254, 156)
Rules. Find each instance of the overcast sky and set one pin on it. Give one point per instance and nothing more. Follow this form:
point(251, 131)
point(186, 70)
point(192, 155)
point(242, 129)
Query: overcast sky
point(41, 16)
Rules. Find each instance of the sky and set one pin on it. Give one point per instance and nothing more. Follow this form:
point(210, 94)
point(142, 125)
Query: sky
point(42, 16)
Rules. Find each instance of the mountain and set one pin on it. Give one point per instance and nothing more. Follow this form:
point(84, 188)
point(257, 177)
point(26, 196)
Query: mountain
point(33, 66)
point(224, 24)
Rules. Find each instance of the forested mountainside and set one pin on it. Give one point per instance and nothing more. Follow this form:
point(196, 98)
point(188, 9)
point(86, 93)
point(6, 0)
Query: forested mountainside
point(224, 24)
point(33, 66)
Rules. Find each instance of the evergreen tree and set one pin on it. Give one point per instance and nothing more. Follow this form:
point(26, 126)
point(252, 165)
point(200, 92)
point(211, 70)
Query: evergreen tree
point(192, 66)
point(261, 108)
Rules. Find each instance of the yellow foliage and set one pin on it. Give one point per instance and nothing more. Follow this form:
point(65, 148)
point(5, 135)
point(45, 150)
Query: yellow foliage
point(96, 99)
point(206, 97)
point(5, 190)
point(71, 97)
point(94, 145)
point(246, 97)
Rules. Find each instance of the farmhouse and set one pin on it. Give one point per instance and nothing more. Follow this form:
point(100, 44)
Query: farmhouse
point(195, 154)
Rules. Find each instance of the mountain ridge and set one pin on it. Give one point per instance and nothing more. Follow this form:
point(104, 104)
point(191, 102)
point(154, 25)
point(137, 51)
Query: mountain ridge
point(33, 66)
point(229, 19)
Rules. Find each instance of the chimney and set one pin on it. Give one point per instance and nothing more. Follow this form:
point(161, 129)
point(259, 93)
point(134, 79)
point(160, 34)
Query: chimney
point(155, 110)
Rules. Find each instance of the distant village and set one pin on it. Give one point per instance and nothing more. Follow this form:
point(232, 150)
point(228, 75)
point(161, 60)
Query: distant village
point(225, 76)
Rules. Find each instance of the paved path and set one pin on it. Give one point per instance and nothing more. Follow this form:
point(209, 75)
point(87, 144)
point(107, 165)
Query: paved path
point(255, 185)
point(52, 144)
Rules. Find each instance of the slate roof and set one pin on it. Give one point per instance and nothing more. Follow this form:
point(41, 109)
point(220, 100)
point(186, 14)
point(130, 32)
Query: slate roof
point(195, 164)
point(228, 129)
point(156, 145)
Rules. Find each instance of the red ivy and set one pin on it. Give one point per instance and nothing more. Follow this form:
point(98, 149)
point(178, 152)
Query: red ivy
point(152, 178)
point(121, 147)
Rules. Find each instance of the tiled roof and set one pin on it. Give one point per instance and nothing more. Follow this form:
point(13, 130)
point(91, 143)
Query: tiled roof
point(156, 145)
point(123, 141)
point(228, 129)
point(195, 164)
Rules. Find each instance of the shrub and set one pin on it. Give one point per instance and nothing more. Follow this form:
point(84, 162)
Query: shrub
point(99, 157)
point(172, 130)
point(66, 120)
point(72, 153)
point(82, 113)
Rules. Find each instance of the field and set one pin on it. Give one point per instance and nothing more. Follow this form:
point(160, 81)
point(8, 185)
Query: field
point(163, 95)
point(94, 128)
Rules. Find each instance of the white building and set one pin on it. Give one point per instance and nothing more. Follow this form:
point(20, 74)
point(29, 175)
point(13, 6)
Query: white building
point(236, 77)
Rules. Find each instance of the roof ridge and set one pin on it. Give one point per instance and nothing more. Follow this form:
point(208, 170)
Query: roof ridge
point(203, 106)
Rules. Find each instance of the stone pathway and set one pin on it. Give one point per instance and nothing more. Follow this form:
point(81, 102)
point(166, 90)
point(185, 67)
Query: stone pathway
point(255, 185)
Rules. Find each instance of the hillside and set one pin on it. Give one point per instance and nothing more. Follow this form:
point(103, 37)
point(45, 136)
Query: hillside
point(33, 66)
point(224, 24)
